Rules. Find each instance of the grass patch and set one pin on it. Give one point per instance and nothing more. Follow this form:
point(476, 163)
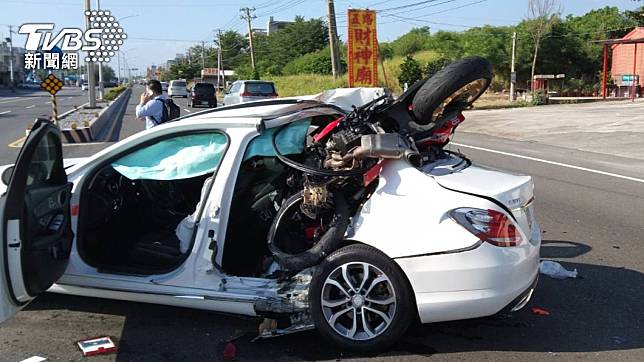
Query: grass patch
point(112, 93)
point(303, 84)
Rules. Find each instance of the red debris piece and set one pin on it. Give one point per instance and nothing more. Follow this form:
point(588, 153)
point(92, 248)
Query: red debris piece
point(230, 351)
point(540, 311)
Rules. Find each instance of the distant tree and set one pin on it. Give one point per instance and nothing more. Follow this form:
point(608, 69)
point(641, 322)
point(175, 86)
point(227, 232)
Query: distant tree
point(636, 15)
point(450, 44)
point(542, 14)
point(412, 42)
point(317, 62)
point(234, 49)
point(385, 50)
point(410, 71)
point(182, 70)
point(108, 73)
point(435, 65)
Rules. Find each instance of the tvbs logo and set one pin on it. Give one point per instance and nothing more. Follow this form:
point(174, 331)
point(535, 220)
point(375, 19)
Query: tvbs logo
point(101, 40)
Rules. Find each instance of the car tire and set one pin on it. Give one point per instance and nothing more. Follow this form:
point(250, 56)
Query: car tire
point(327, 282)
point(449, 83)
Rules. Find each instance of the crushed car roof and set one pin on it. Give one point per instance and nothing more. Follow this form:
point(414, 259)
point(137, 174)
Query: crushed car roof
point(275, 112)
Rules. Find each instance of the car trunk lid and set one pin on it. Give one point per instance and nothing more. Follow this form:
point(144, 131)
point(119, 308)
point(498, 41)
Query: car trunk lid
point(514, 191)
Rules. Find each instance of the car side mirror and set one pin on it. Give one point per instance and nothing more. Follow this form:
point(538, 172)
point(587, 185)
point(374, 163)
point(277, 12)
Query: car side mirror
point(6, 175)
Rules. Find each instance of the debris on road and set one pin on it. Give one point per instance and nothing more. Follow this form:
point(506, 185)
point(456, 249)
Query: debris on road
point(555, 270)
point(34, 359)
point(230, 351)
point(540, 311)
point(97, 345)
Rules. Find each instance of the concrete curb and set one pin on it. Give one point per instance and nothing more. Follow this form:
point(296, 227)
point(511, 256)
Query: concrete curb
point(89, 133)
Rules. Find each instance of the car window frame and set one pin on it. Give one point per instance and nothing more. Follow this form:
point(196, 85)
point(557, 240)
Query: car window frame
point(91, 173)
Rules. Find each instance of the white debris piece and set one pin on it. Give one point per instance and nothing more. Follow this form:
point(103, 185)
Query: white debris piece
point(34, 359)
point(555, 270)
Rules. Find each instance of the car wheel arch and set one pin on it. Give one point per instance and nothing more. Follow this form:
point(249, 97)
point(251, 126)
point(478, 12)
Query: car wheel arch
point(371, 254)
point(350, 242)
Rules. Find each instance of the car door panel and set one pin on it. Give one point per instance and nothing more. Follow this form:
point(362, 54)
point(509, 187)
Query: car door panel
point(35, 220)
point(48, 237)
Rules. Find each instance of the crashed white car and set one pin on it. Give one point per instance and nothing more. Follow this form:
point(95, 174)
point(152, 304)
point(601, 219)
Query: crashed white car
point(179, 215)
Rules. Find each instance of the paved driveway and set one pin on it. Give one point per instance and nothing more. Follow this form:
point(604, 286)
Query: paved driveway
point(613, 127)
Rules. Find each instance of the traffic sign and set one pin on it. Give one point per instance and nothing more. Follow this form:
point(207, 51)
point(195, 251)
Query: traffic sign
point(52, 84)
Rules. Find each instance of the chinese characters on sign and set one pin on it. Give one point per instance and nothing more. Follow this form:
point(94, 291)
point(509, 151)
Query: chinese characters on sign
point(51, 61)
point(55, 50)
point(362, 48)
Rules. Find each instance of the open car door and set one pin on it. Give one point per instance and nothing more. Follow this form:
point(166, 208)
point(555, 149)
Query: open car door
point(36, 228)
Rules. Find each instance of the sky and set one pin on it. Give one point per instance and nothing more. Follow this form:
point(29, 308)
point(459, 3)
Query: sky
point(160, 29)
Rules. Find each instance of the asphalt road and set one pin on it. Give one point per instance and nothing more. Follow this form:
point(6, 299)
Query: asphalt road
point(591, 221)
point(19, 109)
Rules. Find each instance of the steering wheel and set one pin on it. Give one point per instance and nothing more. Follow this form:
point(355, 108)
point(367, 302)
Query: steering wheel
point(166, 195)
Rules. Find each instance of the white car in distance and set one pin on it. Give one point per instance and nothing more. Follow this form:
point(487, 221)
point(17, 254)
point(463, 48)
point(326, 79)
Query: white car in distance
point(177, 88)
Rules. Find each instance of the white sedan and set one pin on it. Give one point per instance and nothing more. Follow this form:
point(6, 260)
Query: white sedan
point(178, 215)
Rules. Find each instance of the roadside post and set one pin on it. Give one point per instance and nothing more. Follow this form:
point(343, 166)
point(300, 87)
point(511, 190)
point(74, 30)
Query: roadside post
point(52, 85)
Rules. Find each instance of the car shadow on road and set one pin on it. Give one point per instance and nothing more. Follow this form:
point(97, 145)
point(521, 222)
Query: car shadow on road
point(599, 311)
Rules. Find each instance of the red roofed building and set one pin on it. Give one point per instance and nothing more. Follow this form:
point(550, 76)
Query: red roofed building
point(622, 65)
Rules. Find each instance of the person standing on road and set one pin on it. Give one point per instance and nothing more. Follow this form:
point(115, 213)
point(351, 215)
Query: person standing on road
point(151, 104)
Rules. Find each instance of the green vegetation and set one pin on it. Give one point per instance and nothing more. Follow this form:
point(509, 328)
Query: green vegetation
point(112, 93)
point(410, 71)
point(298, 57)
point(293, 85)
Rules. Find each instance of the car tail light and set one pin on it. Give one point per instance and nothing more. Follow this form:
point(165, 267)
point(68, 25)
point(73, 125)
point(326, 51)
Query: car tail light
point(490, 226)
point(248, 94)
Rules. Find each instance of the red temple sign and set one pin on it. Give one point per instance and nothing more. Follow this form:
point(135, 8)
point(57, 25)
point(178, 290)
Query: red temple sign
point(362, 48)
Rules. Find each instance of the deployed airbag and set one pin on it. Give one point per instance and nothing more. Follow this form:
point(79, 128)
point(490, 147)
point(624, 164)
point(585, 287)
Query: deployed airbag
point(175, 158)
point(290, 140)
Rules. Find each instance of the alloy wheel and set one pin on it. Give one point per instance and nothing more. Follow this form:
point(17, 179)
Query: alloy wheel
point(358, 301)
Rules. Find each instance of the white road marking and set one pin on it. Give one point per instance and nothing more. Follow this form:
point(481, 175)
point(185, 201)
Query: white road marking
point(551, 162)
point(15, 99)
point(5, 112)
point(48, 102)
point(187, 110)
point(31, 106)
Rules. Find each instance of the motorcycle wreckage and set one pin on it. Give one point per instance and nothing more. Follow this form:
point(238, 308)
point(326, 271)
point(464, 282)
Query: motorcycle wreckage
point(344, 158)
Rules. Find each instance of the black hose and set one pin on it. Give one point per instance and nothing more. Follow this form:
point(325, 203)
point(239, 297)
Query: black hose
point(310, 170)
point(328, 243)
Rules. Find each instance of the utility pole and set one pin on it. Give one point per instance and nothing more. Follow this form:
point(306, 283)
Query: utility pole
point(333, 39)
point(513, 74)
point(91, 82)
point(118, 64)
point(203, 58)
point(248, 17)
point(11, 76)
point(101, 84)
point(220, 63)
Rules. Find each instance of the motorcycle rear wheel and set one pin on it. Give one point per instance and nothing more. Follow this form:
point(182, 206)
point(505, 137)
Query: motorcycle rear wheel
point(463, 81)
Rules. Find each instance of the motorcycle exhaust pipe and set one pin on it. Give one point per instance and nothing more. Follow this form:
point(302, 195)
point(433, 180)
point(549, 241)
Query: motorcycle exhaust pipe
point(386, 145)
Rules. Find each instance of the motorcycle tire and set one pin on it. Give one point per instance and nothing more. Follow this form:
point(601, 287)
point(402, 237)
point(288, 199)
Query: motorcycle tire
point(328, 243)
point(464, 80)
